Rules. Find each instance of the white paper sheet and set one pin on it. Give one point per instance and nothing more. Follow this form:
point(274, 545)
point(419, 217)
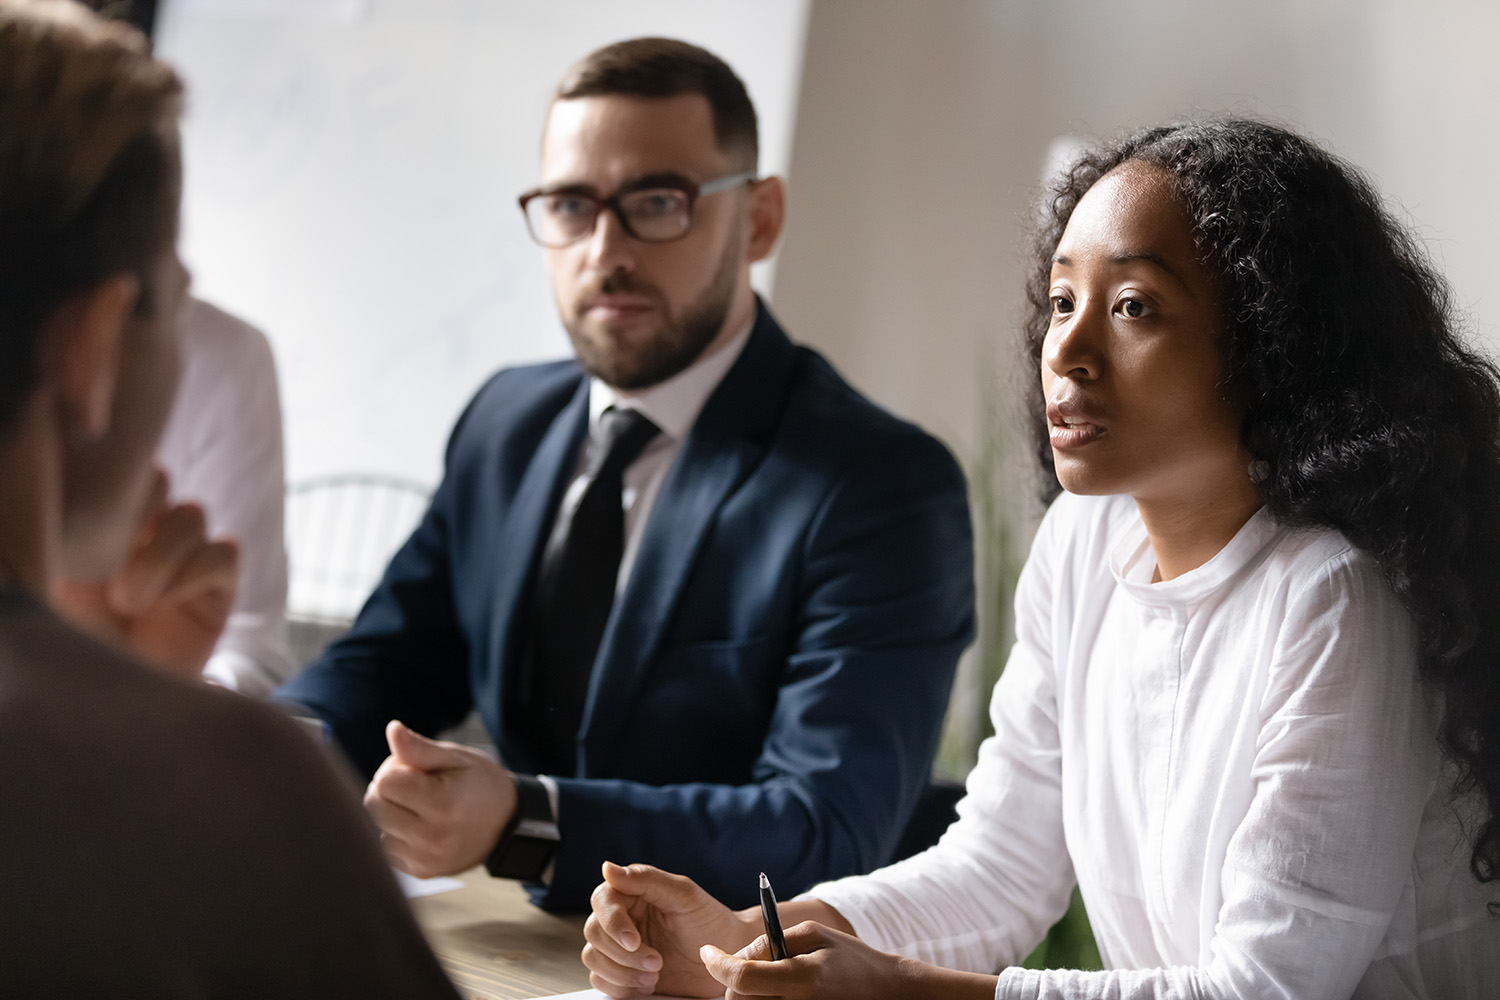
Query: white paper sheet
point(414, 887)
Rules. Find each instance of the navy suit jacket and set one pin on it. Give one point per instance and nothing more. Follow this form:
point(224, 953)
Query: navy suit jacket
point(772, 679)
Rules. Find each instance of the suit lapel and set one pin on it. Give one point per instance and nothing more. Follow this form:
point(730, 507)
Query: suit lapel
point(725, 444)
point(521, 538)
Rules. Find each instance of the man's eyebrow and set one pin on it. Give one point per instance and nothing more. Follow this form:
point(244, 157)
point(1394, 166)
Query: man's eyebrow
point(670, 179)
point(584, 189)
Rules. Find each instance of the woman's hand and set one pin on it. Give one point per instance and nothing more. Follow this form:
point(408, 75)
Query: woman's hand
point(828, 964)
point(823, 963)
point(646, 929)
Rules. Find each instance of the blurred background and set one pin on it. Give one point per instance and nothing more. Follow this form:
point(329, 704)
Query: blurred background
point(352, 167)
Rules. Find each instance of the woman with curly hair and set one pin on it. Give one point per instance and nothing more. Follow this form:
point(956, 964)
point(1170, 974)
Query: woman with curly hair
point(1253, 710)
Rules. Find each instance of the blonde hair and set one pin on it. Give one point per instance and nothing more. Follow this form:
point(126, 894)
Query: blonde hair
point(89, 166)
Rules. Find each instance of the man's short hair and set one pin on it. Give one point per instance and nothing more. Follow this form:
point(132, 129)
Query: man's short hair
point(666, 67)
point(90, 170)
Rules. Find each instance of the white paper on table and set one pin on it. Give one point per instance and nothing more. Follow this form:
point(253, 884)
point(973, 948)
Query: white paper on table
point(414, 887)
point(596, 995)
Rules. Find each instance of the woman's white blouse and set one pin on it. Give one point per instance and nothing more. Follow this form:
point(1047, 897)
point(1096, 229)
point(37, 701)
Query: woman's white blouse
point(1237, 766)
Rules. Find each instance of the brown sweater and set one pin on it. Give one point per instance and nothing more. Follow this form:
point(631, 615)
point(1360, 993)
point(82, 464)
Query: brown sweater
point(163, 839)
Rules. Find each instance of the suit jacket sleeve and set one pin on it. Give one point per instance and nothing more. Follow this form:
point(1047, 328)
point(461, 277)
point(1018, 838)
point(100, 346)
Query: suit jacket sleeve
point(884, 583)
point(406, 656)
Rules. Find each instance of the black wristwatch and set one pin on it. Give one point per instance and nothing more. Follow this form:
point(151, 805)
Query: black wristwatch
point(530, 840)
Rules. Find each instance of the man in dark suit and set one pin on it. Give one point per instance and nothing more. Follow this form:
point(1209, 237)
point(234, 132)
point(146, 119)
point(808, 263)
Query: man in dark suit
point(707, 599)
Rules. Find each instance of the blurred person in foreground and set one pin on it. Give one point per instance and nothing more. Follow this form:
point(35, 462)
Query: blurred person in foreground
point(707, 599)
point(160, 838)
point(1253, 708)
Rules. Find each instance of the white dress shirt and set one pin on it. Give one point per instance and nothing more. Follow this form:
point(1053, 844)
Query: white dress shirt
point(222, 448)
point(1238, 766)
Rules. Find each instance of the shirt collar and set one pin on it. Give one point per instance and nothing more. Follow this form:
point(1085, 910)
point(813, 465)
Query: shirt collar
point(1133, 562)
point(673, 405)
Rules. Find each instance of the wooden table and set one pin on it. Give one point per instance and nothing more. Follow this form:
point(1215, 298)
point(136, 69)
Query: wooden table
point(496, 945)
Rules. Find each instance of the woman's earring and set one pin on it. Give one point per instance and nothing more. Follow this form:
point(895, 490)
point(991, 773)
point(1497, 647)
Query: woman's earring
point(1260, 470)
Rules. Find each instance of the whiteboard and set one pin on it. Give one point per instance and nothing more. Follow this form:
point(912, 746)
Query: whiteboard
point(351, 174)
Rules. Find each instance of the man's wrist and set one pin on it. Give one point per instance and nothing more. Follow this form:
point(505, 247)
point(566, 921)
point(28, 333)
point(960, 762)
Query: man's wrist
point(529, 841)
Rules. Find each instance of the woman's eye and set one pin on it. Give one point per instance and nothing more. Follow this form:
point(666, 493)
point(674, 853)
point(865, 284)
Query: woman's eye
point(1061, 305)
point(1134, 308)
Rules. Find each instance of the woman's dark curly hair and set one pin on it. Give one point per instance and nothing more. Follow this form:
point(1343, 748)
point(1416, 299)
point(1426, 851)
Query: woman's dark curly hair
point(1368, 412)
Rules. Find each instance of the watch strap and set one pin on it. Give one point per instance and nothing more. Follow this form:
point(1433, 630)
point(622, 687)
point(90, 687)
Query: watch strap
point(530, 840)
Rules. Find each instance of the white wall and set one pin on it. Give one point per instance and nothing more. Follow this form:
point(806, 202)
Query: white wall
point(352, 167)
point(923, 128)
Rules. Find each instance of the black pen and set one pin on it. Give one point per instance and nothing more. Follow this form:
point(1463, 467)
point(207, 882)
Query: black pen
point(772, 919)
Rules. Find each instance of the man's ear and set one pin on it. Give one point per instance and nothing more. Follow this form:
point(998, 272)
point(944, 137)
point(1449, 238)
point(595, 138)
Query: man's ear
point(83, 343)
point(767, 211)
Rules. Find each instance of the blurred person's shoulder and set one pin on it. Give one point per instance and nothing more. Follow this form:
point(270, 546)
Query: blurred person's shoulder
point(209, 330)
point(197, 841)
point(135, 750)
point(57, 682)
point(223, 355)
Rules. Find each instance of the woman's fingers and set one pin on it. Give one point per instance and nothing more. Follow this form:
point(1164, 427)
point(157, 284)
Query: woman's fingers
point(809, 936)
point(753, 977)
point(751, 972)
point(608, 944)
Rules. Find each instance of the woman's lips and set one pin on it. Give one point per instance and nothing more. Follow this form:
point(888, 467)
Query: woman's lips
point(1066, 436)
point(1069, 425)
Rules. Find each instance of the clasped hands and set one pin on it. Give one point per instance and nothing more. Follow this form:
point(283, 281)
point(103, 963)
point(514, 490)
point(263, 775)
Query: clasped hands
point(654, 932)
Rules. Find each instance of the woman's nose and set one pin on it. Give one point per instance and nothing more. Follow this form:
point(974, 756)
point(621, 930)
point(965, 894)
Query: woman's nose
point(1072, 347)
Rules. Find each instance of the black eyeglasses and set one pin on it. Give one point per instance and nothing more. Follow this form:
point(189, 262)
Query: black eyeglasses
point(658, 213)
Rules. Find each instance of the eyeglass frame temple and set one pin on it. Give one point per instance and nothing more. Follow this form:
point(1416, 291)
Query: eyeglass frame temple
point(693, 191)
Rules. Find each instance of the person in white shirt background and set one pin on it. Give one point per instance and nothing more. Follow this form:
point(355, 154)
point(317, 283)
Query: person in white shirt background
point(1251, 709)
point(222, 449)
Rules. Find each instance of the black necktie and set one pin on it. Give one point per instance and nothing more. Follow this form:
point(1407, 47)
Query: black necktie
point(575, 587)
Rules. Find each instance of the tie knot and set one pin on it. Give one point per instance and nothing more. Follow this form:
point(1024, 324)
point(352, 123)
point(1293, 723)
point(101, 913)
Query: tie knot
point(622, 435)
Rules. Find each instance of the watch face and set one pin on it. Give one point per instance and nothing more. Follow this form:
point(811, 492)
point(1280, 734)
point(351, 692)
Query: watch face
point(523, 858)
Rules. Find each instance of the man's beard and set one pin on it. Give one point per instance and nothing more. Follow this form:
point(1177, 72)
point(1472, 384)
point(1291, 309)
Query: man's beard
point(673, 346)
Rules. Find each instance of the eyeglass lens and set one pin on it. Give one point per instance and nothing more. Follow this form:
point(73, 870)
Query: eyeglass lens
point(652, 214)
